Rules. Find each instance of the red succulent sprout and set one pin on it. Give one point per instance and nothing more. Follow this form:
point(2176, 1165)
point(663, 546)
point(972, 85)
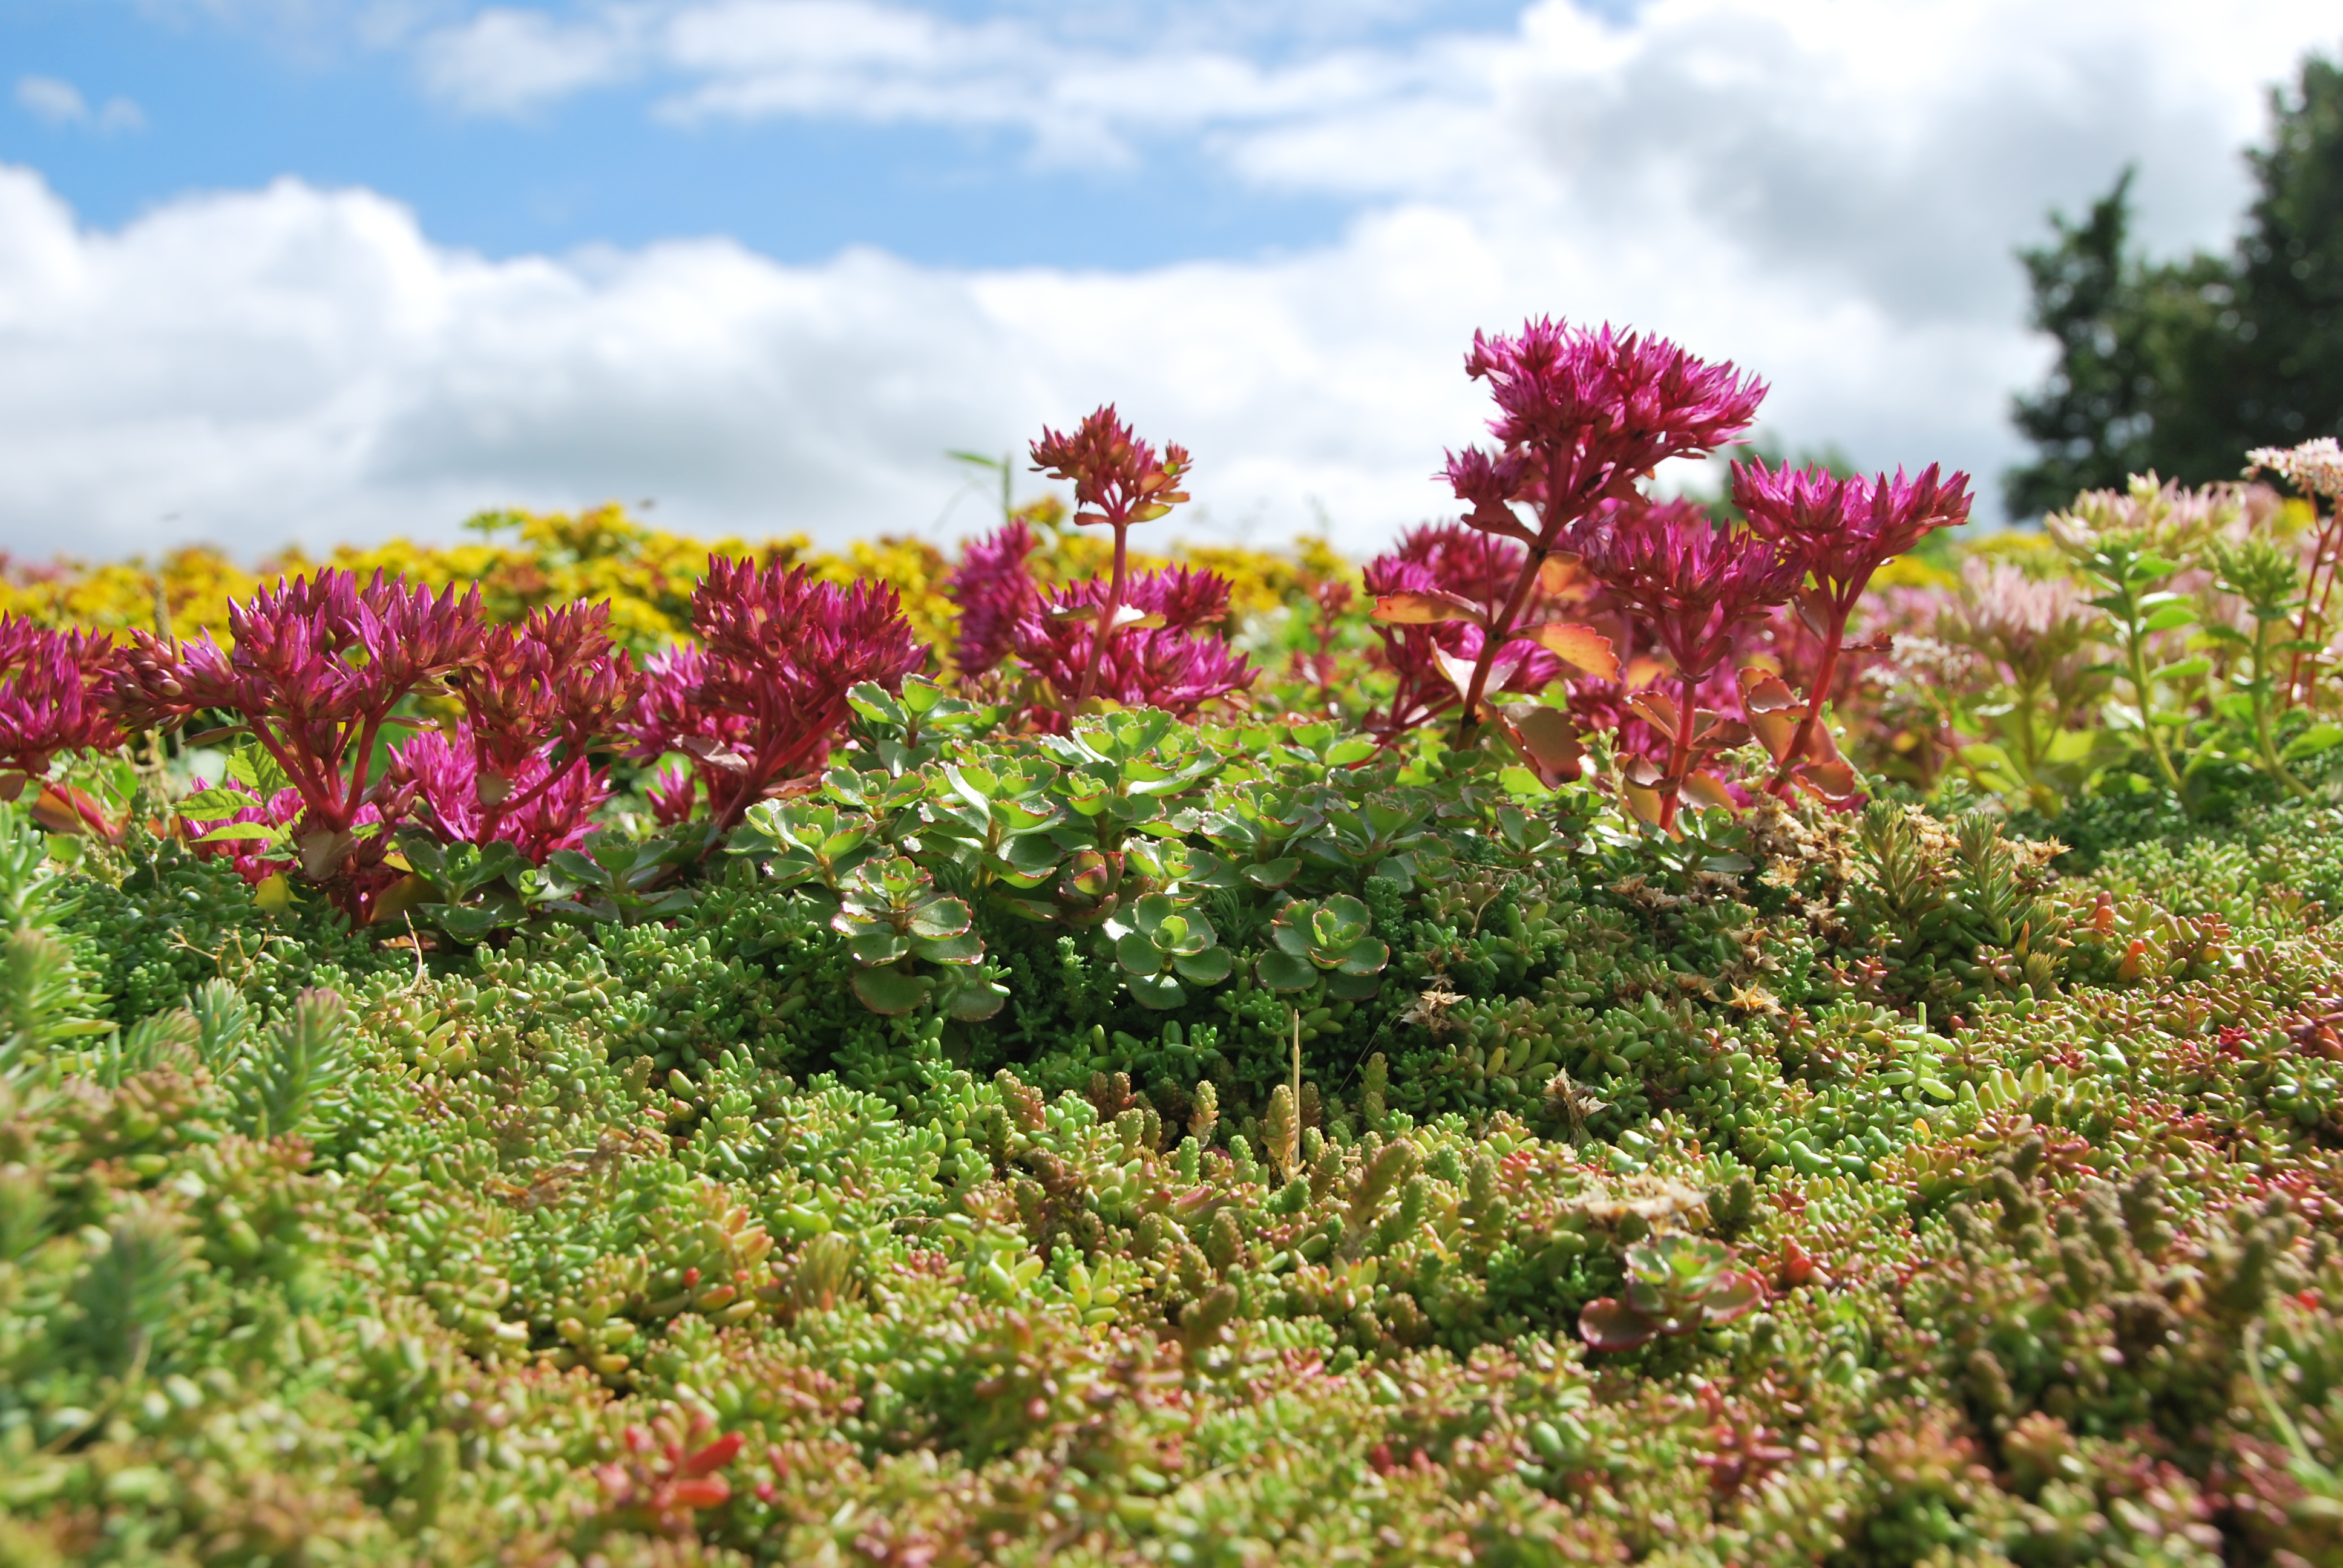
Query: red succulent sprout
point(666, 1477)
point(1155, 658)
point(1583, 417)
point(994, 590)
point(316, 669)
point(759, 703)
point(1847, 528)
point(540, 806)
point(1695, 588)
point(1119, 480)
point(50, 703)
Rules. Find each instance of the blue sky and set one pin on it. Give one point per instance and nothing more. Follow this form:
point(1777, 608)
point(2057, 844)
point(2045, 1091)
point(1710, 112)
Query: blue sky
point(334, 269)
point(229, 95)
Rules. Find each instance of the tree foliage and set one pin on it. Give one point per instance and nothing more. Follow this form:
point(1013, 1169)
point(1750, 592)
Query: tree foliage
point(2174, 366)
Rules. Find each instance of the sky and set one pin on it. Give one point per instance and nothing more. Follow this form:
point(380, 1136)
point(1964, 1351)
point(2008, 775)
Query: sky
point(317, 270)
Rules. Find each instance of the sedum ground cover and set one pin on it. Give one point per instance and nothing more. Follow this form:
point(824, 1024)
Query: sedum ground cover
point(1610, 1036)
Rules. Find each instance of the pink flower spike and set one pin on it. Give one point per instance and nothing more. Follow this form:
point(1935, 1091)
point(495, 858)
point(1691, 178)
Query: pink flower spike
point(1158, 662)
point(51, 689)
point(1848, 529)
point(993, 589)
point(759, 704)
point(1583, 417)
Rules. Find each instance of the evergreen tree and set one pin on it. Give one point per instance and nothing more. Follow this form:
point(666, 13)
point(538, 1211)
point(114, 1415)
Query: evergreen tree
point(2179, 368)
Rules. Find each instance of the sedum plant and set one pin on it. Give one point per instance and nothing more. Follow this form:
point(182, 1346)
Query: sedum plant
point(320, 671)
point(756, 706)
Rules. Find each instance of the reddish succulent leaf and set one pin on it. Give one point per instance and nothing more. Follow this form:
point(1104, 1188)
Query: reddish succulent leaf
point(1610, 1325)
point(1834, 781)
point(1775, 730)
point(1427, 607)
point(1546, 740)
point(714, 1457)
point(1718, 733)
point(1733, 1296)
point(1658, 708)
point(1581, 647)
point(1558, 573)
point(1706, 789)
point(1763, 691)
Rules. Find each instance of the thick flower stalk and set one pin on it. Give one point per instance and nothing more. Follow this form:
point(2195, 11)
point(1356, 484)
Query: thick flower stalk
point(51, 684)
point(1846, 529)
point(1695, 586)
point(994, 590)
point(1119, 480)
point(1583, 417)
point(316, 669)
point(759, 702)
point(1159, 657)
point(1438, 563)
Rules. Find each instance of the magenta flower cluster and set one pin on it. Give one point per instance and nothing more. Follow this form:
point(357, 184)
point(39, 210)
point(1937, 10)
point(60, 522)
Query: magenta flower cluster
point(758, 703)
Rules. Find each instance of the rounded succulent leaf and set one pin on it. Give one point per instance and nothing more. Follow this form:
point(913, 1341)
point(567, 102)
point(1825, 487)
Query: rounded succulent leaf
point(890, 991)
point(1610, 1325)
point(1209, 967)
point(1281, 970)
point(941, 917)
point(1139, 955)
point(964, 948)
point(1158, 993)
point(1367, 955)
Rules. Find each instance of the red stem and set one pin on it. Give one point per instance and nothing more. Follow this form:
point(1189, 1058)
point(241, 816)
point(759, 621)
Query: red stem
point(2324, 558)
point(1493, 635)
point(1825, 673)
point(1679, 751)
point(1106, 611)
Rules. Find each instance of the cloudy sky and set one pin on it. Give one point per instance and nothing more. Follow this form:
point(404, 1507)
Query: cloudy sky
point(325, 269)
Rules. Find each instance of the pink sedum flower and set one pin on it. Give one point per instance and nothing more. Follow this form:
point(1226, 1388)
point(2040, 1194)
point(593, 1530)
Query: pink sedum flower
point(1171, 666)
point(51, 691)
point(759, 701)
point(544, 811)
point(1695, 585)
point(1583, 416)
point(994, 590)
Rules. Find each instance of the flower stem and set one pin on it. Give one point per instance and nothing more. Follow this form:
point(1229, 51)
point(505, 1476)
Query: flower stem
point(1493, 637)
point(1826, 671)
point(1107, 613)
point(1679, 751)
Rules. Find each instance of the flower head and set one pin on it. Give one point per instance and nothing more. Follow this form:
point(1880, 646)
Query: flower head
point(1583, 416)
point(1169, 666)
point(50, 697)
point(1118, 479)
point(761, 700)
point(992, 589)
point(528, 804)
point(1695, 585)
point(1849, 527)
point(2315, 467)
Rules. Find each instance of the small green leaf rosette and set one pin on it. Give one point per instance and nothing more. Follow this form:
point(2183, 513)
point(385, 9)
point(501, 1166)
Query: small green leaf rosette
point(1330, 941)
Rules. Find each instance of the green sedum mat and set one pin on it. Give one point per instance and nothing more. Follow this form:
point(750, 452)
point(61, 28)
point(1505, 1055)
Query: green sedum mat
point(1940, 1208)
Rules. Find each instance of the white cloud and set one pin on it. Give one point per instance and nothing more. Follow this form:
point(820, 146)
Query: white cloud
point(1825, 191)
point(509, 62)
point(59, 103)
